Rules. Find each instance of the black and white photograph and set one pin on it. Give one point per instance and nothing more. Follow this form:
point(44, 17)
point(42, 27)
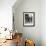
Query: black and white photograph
point(29, 19)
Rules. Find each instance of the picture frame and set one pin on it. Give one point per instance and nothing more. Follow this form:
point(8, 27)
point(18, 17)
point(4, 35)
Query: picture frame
point(28, 19)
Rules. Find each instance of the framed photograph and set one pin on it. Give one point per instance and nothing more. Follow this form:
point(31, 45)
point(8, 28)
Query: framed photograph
point(28, 19)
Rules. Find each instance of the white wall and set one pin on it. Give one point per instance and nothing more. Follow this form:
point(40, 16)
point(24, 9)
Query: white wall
point(6, 13)
point(33, 33)
point(43, 22)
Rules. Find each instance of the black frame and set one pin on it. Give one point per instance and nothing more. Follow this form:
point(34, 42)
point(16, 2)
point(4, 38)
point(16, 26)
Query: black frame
point(32, 20)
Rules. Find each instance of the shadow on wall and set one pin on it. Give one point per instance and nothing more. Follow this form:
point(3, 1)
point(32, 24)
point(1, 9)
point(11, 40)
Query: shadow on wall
point(12, 44)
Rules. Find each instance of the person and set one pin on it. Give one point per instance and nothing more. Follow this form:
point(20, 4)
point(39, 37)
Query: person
point(29, 43)
point(18, 40)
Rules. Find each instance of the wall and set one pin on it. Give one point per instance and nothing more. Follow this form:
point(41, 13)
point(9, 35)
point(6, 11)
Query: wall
point(33, 33)
point(6, 13)
point(43, 22)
